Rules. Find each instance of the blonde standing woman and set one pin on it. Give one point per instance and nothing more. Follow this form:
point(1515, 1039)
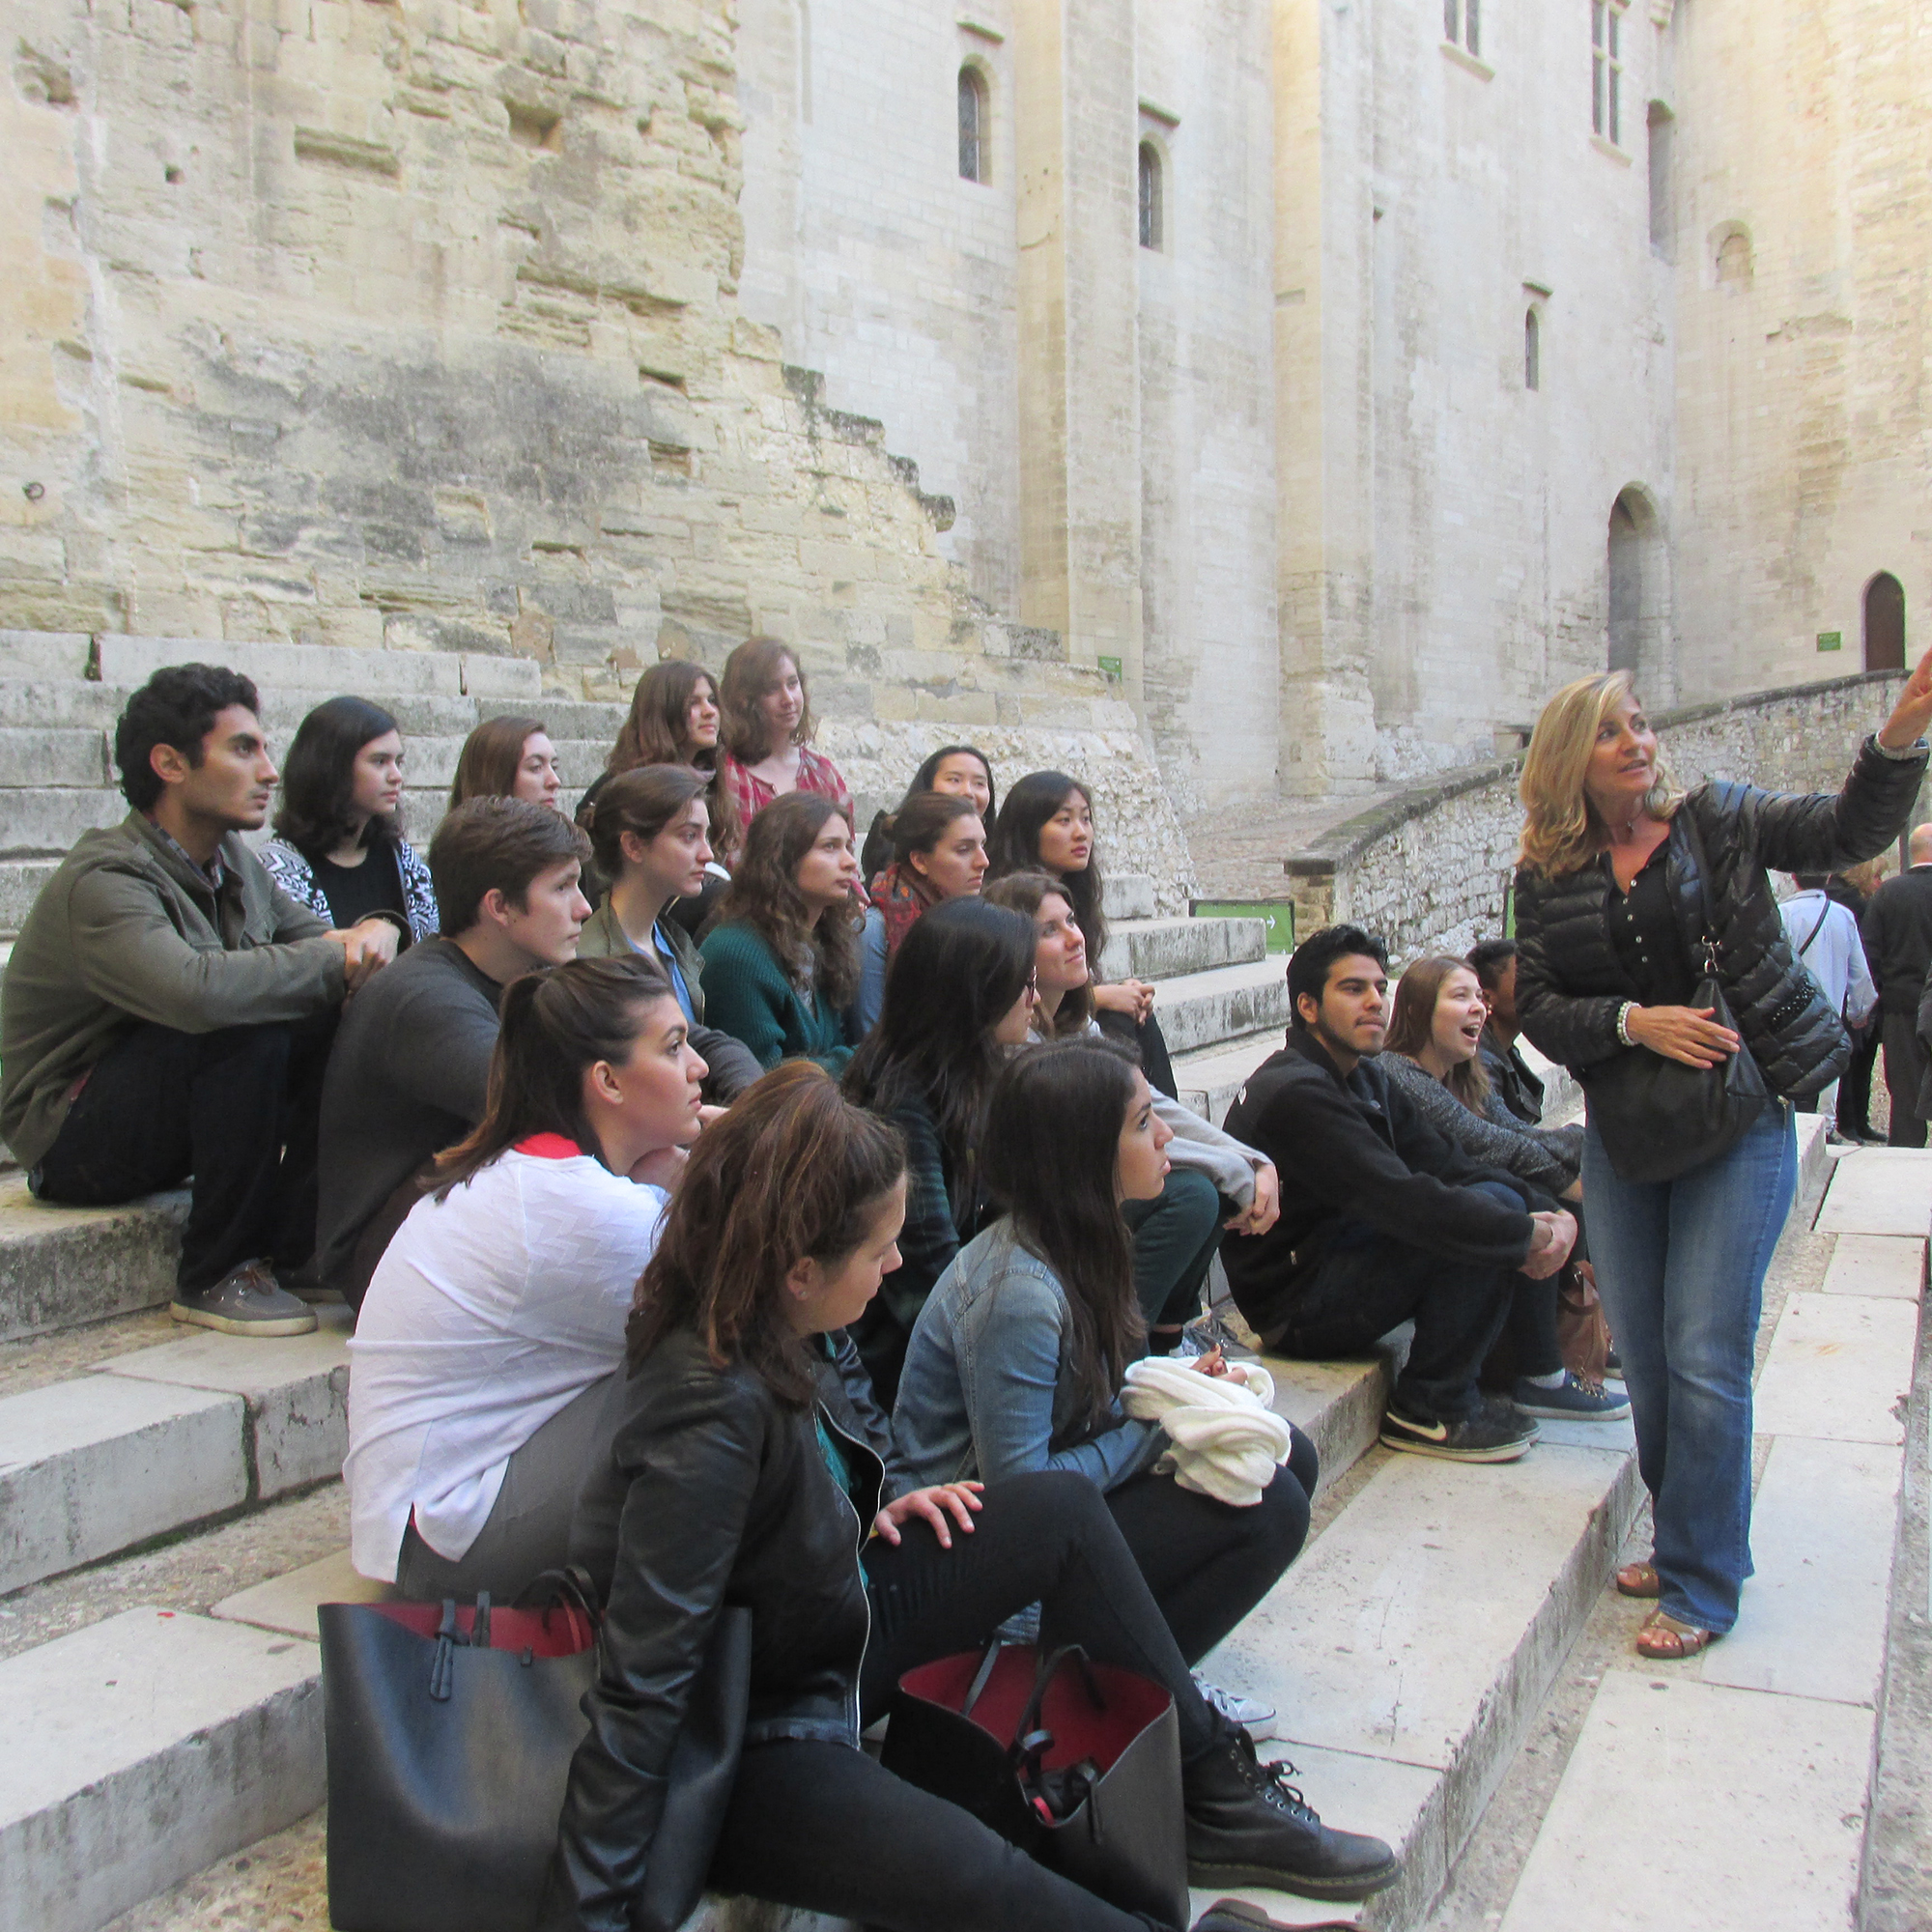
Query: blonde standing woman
point(1610, 916)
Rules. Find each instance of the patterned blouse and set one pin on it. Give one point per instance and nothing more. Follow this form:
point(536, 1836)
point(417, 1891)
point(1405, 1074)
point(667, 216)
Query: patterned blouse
point(294, 875)
point(750, 794)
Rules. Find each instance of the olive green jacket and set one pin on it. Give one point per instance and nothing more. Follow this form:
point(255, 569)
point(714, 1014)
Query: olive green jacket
point(127, 931)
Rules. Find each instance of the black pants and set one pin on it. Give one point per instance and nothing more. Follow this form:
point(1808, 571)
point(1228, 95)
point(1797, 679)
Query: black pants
point(237, 1109)
point(1150, 1043)
point(1366, 1284)
point(1905, 1064)
point(1854, 1084)
point(1207, 1563)
point(823, 1826)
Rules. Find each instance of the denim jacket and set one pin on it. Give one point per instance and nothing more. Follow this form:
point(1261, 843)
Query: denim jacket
point(981, 1394)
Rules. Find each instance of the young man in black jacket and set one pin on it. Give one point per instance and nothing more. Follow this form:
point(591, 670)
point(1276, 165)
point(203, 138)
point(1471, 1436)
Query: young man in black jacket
point(1382, 1218)
point(1897, 931)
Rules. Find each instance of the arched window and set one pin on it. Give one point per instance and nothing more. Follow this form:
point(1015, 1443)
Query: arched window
point(1150, 213)
point(1734, 258)
point(973, 129)
point(1532, 351)
point(1885, 623)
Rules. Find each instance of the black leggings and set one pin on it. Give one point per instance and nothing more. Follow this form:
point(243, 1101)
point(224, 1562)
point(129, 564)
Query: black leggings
point(823, 1826)
point(1207, 1563)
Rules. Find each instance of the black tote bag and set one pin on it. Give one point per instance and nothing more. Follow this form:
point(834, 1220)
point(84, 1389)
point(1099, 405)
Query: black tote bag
point(1658, 1118)
point(1076, 1763)
point(449, 1734)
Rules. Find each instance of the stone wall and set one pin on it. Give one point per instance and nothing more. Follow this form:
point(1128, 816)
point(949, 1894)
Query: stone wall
point(1431, 869)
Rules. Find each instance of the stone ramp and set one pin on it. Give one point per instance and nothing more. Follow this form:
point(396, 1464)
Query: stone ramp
point(1753, 1762)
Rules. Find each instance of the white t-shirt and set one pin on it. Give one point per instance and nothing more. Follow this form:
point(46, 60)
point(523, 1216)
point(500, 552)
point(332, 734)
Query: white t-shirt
point(488, 1313)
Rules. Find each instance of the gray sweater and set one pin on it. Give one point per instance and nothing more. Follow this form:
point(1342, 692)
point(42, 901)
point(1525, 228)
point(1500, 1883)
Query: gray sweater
point(406, 1078)
point(1548, 1157)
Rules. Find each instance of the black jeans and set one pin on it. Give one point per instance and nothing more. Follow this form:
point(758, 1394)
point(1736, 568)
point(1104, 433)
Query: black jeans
point(1855, 1083)
point(1366, 1284)
point(1147, 1039)
point(1208, 1563)
point(825, 1828)
point(237, 1109)
point(1905, 1064)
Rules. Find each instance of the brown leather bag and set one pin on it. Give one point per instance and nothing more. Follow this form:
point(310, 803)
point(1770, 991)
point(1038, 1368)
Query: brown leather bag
point(1582, 1329)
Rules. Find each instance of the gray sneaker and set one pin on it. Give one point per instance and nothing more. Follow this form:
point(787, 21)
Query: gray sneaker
point(246, 1301)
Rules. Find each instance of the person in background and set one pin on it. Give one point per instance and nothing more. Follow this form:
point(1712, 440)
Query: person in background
point(1216, 1182)
point(767, 733)
point(338, 847)
point(1019, 1357)
point(168, 1008)
point(750, 1467)
point(938, 852)
point(1825, 939)
point(959, 998)
point(1509, 1075)
point(1853, 888)
point(960, 771)
point(1383, 1218)
point(1897, 930)
point(650, 834)
point(674, 720)
point(495, 1320)
point(1046, 824)
point(781, 964)
point(1610, 898)
point(1431, 1051)
point(508, 757)
point(410, 1073)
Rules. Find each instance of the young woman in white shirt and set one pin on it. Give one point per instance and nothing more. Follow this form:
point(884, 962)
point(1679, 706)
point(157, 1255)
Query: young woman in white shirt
point(496, 1318)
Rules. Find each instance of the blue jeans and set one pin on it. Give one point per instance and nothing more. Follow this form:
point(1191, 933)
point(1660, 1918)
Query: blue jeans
point(1681, 1265)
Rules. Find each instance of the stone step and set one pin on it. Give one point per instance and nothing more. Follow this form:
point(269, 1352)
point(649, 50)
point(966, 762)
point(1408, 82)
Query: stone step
point(1164, 949)
point(163, 1437)
point(1127, 896)
point(140, 1749)
point(63, 1267)
point(1210, 1078)
point(43, 821)
point(323, 667)
point(1780, 1718)
point(53, 754)
point(1202, 1009)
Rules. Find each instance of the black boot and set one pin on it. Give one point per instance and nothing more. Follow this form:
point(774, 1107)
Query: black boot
point(1247, 1826)
point(1236, 1914)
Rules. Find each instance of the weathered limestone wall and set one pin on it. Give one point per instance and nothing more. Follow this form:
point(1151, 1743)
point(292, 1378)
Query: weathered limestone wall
point(1443, 527)
point(1430, 870)
point(1803, 241)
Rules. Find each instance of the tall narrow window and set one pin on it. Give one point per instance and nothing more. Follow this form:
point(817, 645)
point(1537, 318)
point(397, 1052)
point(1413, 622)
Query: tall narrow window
point(1662, 224)
point(1606, 69)
point(1463, 24)
point(1150, 195)
point(1532, 351)
point(973, 129)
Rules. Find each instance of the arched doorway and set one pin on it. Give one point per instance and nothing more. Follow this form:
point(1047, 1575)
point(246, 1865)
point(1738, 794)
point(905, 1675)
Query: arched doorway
point(1637, 604)
point(1885, 623)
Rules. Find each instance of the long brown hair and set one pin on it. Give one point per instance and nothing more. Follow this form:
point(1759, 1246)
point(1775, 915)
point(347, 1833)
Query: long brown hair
point(555, 1025)
point(1412, 1024)
point(753, 669)
point(764, 895)
point(1012, 846)
point(643, 800)
point(1023, 892)
point(793, 1172)
point(1561, 831)
point(653, 734)
point(1052, 1162)
point(490, 753)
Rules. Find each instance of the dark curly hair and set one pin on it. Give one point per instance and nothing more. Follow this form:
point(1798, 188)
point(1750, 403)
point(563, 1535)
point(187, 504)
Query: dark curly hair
point(764, 895)
point(177, 706)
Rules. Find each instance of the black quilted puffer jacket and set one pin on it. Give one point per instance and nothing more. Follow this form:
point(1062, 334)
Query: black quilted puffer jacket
point(1571, 983)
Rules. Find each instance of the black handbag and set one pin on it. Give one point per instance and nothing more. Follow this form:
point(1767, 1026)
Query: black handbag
point(1076, 1763)
point(1659, 1117)
point(449, 1733)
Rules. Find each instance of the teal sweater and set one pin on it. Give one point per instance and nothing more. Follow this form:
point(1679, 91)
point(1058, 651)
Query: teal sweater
point(748, 995)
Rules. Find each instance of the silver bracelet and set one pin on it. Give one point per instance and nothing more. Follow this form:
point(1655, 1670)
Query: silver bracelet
point(1623, 1013)
point(1884, 751)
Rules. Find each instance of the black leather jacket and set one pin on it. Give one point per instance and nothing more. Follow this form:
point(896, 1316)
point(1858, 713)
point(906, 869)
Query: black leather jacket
point(1571, 983)
point(714, 1494)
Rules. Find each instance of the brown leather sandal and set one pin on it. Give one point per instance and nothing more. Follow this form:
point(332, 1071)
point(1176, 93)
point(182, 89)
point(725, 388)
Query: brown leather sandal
point(1638, 1580)
point(1665, 1641)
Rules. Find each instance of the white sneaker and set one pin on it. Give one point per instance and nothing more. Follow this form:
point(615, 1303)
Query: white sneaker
point(1253, 1716)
